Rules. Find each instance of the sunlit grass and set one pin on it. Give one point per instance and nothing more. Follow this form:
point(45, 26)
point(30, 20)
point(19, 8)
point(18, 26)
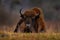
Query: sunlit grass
point(29, 36)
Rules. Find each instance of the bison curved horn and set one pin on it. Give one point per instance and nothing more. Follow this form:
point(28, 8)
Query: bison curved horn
point(37, 16)
point(21, 13)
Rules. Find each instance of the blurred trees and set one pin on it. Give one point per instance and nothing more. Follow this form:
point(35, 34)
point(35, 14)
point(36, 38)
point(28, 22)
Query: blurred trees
point(35, 2)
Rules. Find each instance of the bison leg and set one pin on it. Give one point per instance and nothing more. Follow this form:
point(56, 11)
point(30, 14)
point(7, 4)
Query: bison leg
point(19, 23)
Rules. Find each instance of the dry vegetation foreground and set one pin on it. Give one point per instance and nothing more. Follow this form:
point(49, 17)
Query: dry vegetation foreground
point(29, 36)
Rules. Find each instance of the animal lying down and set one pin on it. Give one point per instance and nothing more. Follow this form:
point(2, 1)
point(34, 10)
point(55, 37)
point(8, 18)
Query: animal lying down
point(33, 20)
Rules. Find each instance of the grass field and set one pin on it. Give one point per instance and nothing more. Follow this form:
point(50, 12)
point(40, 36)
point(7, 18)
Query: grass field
point(29, 36)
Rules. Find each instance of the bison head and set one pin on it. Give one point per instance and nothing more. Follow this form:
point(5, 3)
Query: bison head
point(29, 18)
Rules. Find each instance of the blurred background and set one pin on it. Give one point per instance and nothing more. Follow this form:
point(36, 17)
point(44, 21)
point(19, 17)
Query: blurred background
point(9, 13)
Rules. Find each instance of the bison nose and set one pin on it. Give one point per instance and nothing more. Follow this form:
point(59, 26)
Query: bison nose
point(28, 25)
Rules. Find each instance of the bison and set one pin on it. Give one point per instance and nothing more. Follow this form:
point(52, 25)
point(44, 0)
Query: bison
point(33, 19)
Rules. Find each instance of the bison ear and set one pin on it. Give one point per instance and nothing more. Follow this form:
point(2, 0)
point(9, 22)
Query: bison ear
point(21, 13)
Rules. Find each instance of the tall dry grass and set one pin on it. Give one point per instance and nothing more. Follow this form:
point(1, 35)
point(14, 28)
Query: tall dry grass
point(53, 26)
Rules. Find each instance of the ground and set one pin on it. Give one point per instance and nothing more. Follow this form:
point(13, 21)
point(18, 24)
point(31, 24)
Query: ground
point(29, 36)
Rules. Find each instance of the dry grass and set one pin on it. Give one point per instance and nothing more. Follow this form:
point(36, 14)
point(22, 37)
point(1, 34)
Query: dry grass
point(29, 36)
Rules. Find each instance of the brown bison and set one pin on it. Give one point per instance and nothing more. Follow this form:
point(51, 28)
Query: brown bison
point(33, 19)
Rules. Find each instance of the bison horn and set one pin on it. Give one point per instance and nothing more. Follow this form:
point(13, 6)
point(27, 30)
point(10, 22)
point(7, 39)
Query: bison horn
point(21, 13)
point(37, 16)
